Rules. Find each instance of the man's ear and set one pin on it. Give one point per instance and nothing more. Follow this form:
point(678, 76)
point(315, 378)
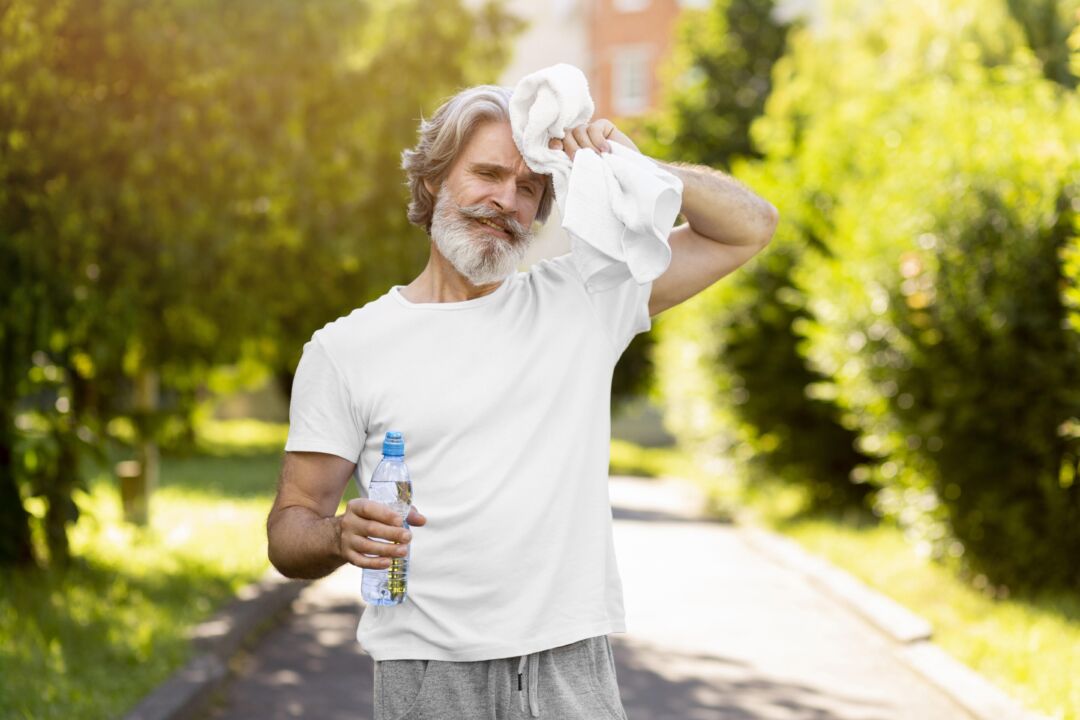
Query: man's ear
point(432, 188)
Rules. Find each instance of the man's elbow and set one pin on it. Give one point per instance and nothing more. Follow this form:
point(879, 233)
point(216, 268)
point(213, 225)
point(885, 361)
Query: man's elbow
point(287, 565)
point(277, 564)
point(273, 550)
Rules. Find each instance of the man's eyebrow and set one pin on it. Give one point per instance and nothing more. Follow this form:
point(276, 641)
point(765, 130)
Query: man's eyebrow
point(504, 170)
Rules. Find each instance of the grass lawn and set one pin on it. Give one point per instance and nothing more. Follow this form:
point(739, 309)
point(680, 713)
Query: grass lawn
point(1029, 647)
point(91, 641)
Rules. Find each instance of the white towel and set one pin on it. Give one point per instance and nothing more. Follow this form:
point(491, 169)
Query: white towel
point(618, 208)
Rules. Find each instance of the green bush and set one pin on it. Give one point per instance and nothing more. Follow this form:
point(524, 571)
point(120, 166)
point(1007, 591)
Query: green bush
point(735, 384)
point(992, 373)
point(942, 166)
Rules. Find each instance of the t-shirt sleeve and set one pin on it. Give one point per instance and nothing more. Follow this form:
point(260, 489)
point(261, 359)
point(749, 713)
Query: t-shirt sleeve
point(622, 310)
point(322, 415)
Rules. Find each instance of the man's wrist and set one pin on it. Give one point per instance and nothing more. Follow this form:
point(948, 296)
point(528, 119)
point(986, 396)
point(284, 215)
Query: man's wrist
point(337, 552)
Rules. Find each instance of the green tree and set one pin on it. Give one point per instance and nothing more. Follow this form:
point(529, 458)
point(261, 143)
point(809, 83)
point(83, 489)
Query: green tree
point(190, 182)
point(717, 82)
point(1047, 25)
point(342, 193)
point(720, 81)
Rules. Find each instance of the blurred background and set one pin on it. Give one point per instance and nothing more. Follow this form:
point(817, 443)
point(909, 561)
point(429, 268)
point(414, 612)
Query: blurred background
point(190, 188)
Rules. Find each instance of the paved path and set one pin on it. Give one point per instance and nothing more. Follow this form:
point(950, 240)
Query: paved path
point(717, 631)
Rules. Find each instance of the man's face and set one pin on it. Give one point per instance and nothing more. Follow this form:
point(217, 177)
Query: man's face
point(485, 207)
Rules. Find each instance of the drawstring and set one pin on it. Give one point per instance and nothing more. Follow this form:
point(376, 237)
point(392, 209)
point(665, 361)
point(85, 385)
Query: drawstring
point(534, 683)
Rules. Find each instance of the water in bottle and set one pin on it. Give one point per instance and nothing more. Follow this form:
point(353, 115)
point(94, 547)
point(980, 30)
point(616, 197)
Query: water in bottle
point(390, 485)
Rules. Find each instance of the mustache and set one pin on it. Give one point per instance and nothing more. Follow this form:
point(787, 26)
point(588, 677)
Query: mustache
point(518, 231)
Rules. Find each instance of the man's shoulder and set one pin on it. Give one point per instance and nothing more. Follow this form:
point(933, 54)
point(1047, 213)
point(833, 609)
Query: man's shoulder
point(559, 268)
point(358, 326)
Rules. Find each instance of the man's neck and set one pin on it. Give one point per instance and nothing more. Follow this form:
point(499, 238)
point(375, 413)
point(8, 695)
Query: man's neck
point(441, 283)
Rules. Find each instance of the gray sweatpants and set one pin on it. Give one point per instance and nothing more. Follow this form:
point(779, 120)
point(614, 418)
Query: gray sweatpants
point(572, 682)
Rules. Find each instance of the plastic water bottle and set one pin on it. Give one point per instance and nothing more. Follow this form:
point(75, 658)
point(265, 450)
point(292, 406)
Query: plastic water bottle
point(390, 485)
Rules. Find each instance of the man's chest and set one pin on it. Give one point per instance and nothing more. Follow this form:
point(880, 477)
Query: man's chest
point(476, 377)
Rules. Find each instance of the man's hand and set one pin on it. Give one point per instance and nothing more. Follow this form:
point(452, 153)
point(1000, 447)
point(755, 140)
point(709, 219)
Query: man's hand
point(597, 135)
point(305, 539)
point(365, 519)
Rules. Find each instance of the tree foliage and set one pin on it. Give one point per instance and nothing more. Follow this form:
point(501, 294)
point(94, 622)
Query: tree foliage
point(185, 183)
point(751, 366)
point(717, 82)
point(1046, 25)
point(941, 167)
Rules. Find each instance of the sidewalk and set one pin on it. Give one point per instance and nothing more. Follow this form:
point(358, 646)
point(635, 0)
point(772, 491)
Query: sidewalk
point(717, 630)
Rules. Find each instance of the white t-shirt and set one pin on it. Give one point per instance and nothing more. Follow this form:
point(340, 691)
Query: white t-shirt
point(504, 403)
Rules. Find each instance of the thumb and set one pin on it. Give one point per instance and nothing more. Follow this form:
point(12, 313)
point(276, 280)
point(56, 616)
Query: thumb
point(415, 517)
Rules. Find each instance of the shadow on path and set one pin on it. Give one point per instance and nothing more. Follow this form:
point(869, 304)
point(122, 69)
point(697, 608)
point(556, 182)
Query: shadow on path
point(312, 667)
point(659, 684)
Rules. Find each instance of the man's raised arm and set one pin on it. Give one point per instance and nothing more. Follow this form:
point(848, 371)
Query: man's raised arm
point(726, 223)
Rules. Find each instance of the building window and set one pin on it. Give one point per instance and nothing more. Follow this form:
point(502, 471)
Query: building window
point(629, 6)
point(630, 80)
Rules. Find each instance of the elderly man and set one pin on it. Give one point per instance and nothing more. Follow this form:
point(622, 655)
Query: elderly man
point(500, 381)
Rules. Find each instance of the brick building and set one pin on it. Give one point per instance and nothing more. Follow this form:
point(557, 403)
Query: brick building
point(619, 44)
point(628, 40)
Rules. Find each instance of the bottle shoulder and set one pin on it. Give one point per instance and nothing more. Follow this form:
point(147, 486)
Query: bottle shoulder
point(390, 470)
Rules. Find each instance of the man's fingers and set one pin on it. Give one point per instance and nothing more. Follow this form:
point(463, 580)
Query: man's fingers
point(598, 133)
point(373, 529)
point(371, 510)
point(361, 560)
point(368, 518)
point(570, 144)
point(415, 517)
point(367, 546)
point(581, 137)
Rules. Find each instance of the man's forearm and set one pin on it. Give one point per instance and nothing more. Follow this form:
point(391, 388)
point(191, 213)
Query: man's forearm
point(303, 544)
point(721, 208)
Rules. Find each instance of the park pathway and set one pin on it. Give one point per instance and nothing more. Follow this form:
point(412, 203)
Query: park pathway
point(734, 637)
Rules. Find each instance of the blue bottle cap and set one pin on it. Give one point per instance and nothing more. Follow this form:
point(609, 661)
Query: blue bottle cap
point(394, 444)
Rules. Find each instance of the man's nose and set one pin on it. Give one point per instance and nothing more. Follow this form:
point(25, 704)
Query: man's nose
point(504, 196)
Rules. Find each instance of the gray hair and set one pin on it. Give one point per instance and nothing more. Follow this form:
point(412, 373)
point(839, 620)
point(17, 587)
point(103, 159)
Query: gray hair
point(442, 139)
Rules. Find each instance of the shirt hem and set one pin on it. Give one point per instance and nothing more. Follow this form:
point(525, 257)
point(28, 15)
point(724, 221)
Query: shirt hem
point(497, 651)
point(321, 446)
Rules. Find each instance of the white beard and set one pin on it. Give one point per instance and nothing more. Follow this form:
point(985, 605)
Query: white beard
point(479, 256)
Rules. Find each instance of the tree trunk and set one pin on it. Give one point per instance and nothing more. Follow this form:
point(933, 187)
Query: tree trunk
point(284, 379)
point(147, 395)
point(62, 509)
point(16, 549)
